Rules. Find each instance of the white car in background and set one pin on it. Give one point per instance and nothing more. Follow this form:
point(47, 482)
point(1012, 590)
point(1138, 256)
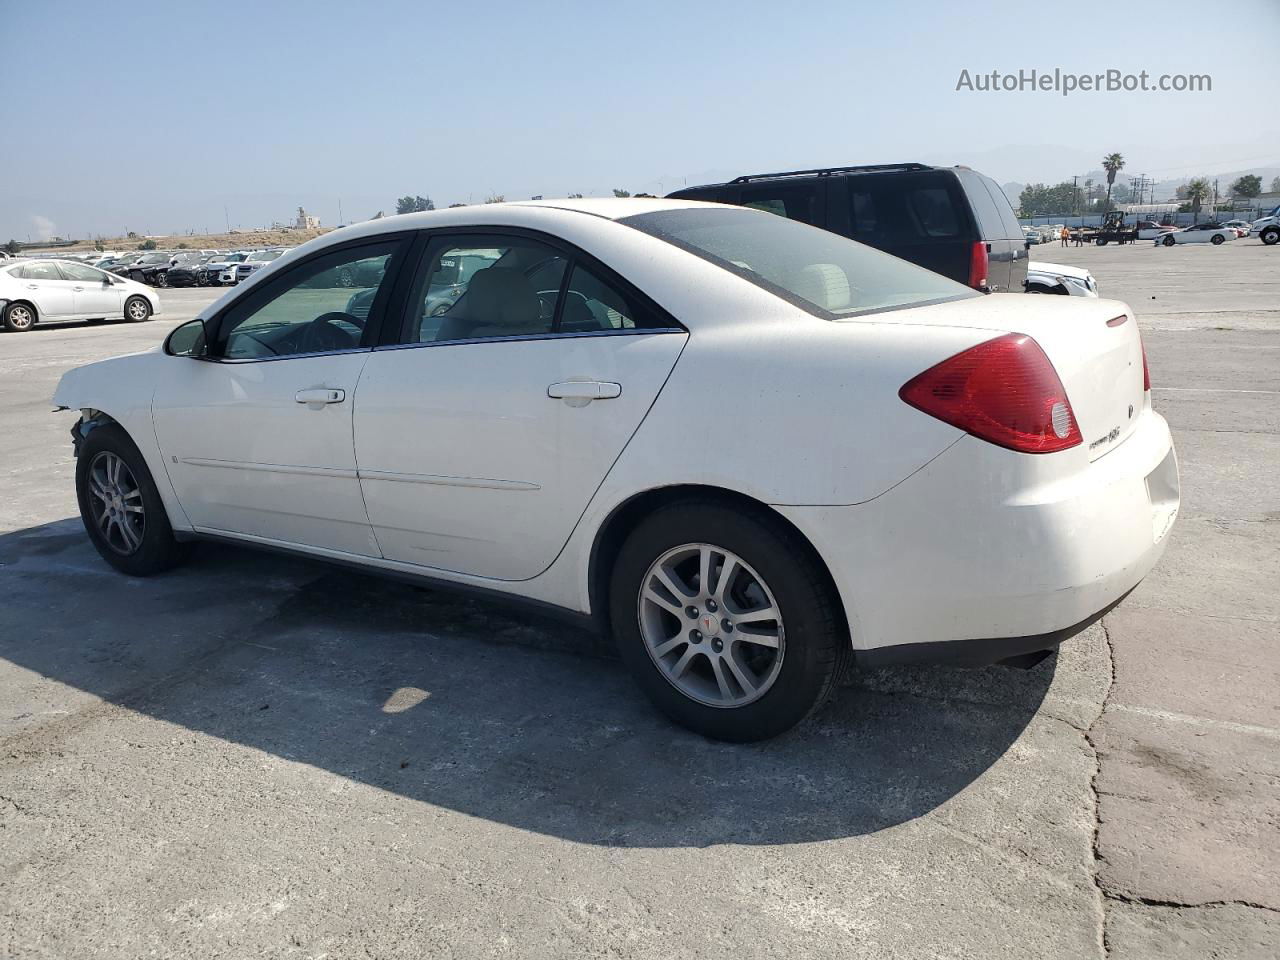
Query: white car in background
point(750, 449)
point(1241, 227)
point(1213, 233)
point(1060, 279)
point(32, 291)
point(254, 262)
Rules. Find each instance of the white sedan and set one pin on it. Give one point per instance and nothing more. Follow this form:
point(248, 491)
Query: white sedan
point(750, 449)
point(32, 291)
point(1200, 233)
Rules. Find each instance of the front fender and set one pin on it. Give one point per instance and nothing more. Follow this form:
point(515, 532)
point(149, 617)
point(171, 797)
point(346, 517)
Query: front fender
point(121, 389)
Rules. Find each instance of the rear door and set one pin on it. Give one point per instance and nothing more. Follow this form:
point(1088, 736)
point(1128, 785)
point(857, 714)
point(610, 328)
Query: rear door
point(919, 216)
point(482, 434)
point(49, 290)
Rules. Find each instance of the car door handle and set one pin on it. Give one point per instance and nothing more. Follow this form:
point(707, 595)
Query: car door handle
point(319, 396)
point(33, 286)
point(78, 289)
point(586, 390)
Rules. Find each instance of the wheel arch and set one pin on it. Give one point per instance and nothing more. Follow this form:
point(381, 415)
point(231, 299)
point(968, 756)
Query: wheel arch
point(624, 518)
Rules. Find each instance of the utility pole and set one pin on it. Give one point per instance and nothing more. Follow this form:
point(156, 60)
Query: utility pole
point(340, 220)
point(1075, 195)
point(227, 217)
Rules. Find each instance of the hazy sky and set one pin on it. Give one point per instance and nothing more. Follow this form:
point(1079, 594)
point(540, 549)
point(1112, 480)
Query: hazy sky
point(156, 117)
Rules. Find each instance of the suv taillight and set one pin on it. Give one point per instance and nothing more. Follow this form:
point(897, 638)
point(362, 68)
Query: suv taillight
point(1004, 391)
point(978, 264)
point(1146, 371)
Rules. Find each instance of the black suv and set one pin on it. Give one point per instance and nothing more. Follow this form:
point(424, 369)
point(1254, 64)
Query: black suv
point(952, 220)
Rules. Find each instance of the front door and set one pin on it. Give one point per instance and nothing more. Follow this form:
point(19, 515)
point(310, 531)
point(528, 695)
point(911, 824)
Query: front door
point(258, 440)
point(482, 436)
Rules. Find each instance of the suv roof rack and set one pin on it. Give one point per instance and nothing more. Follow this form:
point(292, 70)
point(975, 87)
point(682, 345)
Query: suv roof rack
point(828, 171)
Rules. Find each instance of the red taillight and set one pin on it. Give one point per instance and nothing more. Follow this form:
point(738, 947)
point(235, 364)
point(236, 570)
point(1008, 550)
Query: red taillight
point(978, 262)
point(1146, 371)
point(1004, 391)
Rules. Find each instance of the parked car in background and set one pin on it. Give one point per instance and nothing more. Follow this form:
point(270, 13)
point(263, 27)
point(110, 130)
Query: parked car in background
point(254, 262)
point(38, 290)
point(1058, 278)
point(1151, 229)
point(150, 268)
point(221, 267)
point(952, 220)
point(1214, 233)
point(190, 271)
point(996, 478)
point(1241, 227)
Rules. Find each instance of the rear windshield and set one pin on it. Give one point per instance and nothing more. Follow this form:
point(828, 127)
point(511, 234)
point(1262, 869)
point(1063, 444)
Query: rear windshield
point(826, 274)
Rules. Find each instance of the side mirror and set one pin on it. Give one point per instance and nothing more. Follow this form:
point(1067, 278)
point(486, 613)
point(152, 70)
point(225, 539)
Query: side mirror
point(188, 340)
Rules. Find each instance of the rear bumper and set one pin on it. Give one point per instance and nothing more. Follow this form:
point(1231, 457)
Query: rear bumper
point(1018, 551)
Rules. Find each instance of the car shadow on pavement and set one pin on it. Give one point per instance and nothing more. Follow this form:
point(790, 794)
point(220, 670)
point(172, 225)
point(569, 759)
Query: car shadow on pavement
point(466, 704)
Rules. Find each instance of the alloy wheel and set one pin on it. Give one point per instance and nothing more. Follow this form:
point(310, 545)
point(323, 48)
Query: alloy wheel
point(711, 625)
point(116, 503)
point(137, 310)
point(20, 316)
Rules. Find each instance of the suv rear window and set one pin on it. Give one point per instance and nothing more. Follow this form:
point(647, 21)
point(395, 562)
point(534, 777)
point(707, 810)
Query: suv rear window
point(828, 275)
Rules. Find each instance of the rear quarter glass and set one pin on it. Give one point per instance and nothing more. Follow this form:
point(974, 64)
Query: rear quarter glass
point(991, 223)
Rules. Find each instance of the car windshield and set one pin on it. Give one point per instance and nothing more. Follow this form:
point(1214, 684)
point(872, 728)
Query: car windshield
point(824, 273)
point(267, 255)
point(155, 258)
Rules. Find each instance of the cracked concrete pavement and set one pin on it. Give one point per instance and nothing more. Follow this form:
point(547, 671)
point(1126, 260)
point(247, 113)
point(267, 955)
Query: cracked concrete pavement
point(255, 755)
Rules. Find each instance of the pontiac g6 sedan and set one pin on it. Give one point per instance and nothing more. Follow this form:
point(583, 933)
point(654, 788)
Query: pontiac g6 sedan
point(752, 450)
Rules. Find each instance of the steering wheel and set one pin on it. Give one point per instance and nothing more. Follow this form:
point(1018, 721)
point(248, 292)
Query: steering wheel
point(323, 333)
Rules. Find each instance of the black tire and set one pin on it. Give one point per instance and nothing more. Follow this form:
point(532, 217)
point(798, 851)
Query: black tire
point(19, 317)
point(1102, 241)
point(157, 550)
point(1270, 236)
point(1168, 241)
point(160, 279)
point(815, 650)
point(137, 309)
point(1217, 239)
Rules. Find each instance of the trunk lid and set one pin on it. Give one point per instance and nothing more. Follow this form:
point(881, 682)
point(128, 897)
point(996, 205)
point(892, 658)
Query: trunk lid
point(1093, 345)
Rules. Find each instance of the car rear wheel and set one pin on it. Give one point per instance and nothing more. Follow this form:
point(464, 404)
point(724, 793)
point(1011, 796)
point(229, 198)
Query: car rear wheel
point(137, 309)
point(121, 506)
point(1270, 236)
point(725, 620)
point(1217, 239)
point(1168, 241)
point(19, 317)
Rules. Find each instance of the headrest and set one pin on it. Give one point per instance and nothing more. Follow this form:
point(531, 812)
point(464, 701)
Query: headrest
point(824, 284)
point(501, 297)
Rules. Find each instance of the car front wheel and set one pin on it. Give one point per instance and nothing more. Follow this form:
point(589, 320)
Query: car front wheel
point(137, 309)
point(121, 506)
point(1217, 239)
point(726, 621)
point(1168, 241)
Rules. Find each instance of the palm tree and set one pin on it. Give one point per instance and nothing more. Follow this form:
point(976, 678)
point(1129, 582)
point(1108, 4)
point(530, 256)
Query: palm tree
point(1197, 190)
point(1113, 163)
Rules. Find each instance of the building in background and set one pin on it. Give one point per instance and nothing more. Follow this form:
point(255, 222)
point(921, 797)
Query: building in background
point(306, 222)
